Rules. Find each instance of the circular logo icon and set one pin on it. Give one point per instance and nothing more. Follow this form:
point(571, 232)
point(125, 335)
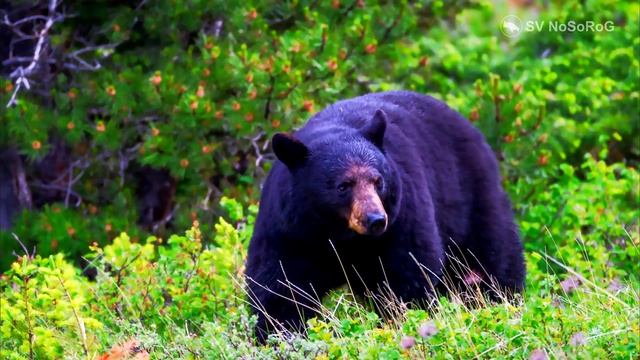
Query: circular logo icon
point(511, 26)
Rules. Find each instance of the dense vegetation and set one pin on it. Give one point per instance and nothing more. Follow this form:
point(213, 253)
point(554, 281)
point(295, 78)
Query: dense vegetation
point(100, 165)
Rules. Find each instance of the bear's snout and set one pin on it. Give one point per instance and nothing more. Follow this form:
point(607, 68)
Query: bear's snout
point(367, 215)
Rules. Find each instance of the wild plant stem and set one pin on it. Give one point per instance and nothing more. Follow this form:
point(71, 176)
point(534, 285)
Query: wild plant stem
point(30, 333)
point(79, 321)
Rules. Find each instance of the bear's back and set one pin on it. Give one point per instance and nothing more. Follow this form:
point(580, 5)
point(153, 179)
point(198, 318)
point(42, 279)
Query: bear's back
point(415, 115)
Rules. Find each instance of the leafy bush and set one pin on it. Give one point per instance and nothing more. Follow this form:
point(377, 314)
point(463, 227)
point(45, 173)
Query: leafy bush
point(185, 300)
point(197, 91)
point(42, 299)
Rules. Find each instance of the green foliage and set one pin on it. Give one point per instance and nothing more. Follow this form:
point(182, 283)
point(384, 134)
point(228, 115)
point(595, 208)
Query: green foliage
point(184, 280)
point(180, 95)
point(186, 300)
point(50, 310)
point(45, 310)
point(176, 95)
point(588, 220)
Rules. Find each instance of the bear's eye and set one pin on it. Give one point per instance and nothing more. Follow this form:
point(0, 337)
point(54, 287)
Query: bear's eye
point(344, 186)
point(378, 182)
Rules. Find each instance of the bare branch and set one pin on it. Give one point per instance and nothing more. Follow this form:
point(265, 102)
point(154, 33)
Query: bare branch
point(27, 67)
point(59, 188)
point(21, 74)
point(256, 148)
point(69, 185)
point(22, 59)
point(22, 21)
point(92, 48)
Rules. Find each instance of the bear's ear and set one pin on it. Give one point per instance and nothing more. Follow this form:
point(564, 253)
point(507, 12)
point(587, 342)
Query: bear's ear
point(290, 151)
point(374, 130)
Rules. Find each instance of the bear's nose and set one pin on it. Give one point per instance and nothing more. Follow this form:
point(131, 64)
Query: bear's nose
point(376, 223)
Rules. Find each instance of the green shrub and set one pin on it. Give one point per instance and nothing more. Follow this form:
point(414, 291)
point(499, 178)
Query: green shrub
point(177, 94)
point(45, 309)
point(186, 300)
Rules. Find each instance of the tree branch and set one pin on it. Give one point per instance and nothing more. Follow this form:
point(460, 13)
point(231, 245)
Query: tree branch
point(21, 74)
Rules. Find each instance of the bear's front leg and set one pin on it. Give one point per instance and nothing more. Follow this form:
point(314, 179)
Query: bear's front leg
point(285, 294)
point(414, 272)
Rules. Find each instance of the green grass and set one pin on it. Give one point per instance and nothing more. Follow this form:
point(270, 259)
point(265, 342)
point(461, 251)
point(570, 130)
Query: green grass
point(149, 298)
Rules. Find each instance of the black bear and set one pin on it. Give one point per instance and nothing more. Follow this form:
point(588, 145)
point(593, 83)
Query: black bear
point(378, 192)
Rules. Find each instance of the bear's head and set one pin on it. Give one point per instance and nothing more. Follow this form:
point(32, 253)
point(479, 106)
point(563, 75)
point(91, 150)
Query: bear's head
point(343, 176)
